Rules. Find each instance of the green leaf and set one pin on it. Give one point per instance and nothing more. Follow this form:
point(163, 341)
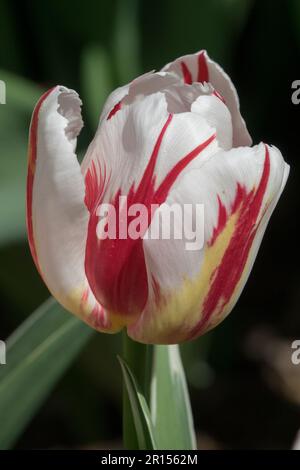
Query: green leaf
point(38, 353)
point(170, 405)
point(21, 97)
point(96, 81)
point(21, 93)
point(127, 40)
point(140, 410)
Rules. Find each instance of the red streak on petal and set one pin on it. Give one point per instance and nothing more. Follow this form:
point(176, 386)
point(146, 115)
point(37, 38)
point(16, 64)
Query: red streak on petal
point(239, 197)
point(165, 186)
point(97, 318)
point(218, 95)
point(115, 109)
point(222, 219)
point(187, 76)
point(231, 268)
point(32, 157)
point(94, 186)
point(84, 298)
point(116, 268)
point(156, 290)
point(147, 178)
point(202, 68)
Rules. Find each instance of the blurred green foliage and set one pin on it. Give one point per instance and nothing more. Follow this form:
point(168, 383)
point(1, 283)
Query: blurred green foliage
point(36, 358)
point(93, 47)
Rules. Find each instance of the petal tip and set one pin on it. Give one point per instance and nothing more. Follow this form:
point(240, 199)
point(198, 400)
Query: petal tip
point(69, 106)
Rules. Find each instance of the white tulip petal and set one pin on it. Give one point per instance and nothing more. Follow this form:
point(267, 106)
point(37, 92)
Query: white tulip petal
point(192, 291)
point(174, 140)
point(139, 153)
point(56, 214)
point(200, 68)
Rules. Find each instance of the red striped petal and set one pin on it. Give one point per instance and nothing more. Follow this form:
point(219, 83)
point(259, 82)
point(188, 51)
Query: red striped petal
point(203, 75)
point(229, 272)
point(187, 76)
point(32, 156)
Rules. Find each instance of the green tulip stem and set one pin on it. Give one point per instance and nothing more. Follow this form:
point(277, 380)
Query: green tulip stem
point(139, 358)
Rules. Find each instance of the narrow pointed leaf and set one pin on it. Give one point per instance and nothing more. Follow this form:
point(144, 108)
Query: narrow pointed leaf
point(38, 353)
point(140, 410)
point(170, 404)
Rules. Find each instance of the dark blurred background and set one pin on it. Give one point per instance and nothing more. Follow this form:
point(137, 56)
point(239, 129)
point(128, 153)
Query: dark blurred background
point(245, 391)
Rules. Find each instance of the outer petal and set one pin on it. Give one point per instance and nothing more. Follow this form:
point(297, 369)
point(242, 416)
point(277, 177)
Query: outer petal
point(200, 68)
point(193, 291)
point(56, 214)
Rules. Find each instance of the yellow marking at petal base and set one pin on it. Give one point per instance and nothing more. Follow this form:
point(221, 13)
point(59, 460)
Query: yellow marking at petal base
point(84, 310)
point(118, 322)
point(217, 318)
point(72, 301)
point(179, 311)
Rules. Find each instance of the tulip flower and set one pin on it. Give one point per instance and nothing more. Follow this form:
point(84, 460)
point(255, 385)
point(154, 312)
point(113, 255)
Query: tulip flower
point(171, 137)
